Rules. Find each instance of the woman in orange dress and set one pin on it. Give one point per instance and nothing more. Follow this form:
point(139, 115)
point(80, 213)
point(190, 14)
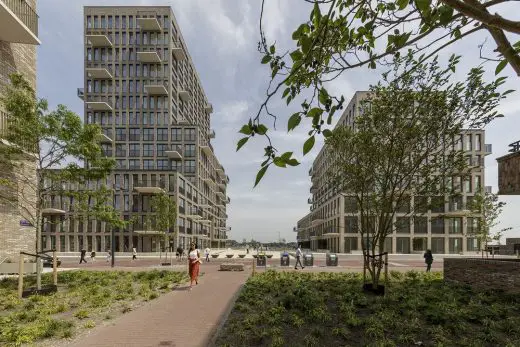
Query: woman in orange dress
point(194, 264)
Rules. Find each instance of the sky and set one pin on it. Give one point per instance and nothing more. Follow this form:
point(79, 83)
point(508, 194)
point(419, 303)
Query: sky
point(222, 38)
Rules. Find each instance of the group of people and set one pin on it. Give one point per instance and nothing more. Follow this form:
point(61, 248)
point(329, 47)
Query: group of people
point(83, 254)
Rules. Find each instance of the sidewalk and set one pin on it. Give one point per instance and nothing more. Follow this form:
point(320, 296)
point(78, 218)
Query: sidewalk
point(180, 318)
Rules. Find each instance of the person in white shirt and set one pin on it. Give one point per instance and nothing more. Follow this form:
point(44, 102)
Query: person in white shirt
point(206, 253)
point(298, 258)
point(134, 254)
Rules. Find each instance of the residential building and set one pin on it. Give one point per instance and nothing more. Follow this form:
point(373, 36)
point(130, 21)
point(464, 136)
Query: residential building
point(142, 88)
point(446, 228)
point(18, 41)
point(509, 171)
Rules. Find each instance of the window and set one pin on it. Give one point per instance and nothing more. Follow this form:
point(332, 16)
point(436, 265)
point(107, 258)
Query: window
point(162, 134)
point(189, 151)
point(455, 225)
point(402, 225)
point(120, 150)
point(134, 150)
point(89, 54)
point(96, 22)
point(103, 22)
point(110, 22)
point(148, 134)
point(134, 164)
point(121, 163)
point(478, 142)
point(147, 150)
point(189, 134)
point(420, 225)
point(437, 225)
point(351, 225)
point(420, 243)
point(189, 166)
point(135, 134)
point(161, 148)
point(162, 164)
point(117, 22)
point(123, 22)
point(176, 134)
point(177, 165)
point(148, 164)
point(130, 21)
point(89, 22)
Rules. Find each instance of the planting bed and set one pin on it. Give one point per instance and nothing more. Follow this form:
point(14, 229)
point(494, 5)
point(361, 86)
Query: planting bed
point(331, 309)
point(84, 300)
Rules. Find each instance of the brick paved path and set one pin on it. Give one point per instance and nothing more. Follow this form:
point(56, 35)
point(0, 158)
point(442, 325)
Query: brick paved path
point(180, 318)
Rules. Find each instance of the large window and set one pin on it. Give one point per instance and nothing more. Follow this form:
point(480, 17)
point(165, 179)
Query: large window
point(134, 164)
point(120, 134)
point(147, 150)
point(161, 148)
point(135, 134)
point(351, 225)
point(420, 225)
point(189, 166)
point(134, 150)
point(148, 134)
point(438, 225)
point(148, 164)
point(162, 134)
point(402, 225)
point(455, 225)
point(162, 164)
point(420, 243)
point(189, 151)
point(176, 134)
point(189, 134)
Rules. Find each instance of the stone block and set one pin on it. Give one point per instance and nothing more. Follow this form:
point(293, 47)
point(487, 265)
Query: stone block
point(231, 267)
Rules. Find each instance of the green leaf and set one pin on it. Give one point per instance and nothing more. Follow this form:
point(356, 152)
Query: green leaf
point(275, 71)
point(294, 121)
point(242, 142)
point(260, 174)
point(279, 162)
point(272, 49)
point(508, 92)
point(286, 156)
point(296, 55)
point(246, 130)
point(324, 96)
point(500, 66)
point(422, 5)
point(262, 129)
point(293, 162)
point(266, 59)
point(307, 146)
point(285, 92)
point(402, 4)
point(306, 44)
point(316, 111)
point(446, 14)
point(327, 133)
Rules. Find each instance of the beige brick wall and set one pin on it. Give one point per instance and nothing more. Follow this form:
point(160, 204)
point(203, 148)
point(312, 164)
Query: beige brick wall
point(484, 274)
point(15, 57)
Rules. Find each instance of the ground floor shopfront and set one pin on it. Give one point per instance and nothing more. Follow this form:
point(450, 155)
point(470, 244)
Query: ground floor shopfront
point(124, 242)
point(438, 244)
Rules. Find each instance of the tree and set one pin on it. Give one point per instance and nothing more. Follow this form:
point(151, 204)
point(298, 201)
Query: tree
point(165, 217)
point(43, 151)
point(401, 149)
point(489, 209)
point(341, 35)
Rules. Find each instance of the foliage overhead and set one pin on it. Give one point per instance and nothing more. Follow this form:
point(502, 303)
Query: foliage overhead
point(346, 34)
point(405, 141)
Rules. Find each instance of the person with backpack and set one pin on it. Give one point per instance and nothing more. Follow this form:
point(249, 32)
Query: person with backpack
point(428, 259)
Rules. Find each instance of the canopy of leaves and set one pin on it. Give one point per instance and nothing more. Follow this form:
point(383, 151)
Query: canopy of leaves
point(165, 212)
point(345, 34)
point(489, 209)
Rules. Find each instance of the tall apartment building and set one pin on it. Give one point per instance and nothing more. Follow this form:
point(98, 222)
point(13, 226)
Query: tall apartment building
point(18, 41)
point(446, 228)
point(142, 88)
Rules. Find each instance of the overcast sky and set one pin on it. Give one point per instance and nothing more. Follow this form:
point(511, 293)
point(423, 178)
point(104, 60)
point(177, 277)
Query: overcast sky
point(222, 38)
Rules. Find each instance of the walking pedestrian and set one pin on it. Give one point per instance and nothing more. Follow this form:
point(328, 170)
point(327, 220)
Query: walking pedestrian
point(194, 264)
point(298, 258)
point(82, 259)
point(109, 255)
point(93, 256)
point(206, 253)
point(428, 259)
point(134, 254)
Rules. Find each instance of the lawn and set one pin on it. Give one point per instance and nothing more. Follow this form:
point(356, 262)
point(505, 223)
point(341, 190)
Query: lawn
point(84, 300)
point(329, 309)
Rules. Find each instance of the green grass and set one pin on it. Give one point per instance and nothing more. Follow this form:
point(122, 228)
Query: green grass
point(84, 300)
point(330, 309)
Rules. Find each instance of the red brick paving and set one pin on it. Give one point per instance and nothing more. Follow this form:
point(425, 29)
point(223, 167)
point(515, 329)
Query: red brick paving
point(180, 318)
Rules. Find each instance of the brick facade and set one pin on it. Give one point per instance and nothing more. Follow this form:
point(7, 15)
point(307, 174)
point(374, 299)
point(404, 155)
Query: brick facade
point(16, 57)
point(508, 174)
point(484, 274)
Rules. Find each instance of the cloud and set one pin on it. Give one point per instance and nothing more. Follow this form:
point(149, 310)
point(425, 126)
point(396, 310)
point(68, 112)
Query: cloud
point(233, 112)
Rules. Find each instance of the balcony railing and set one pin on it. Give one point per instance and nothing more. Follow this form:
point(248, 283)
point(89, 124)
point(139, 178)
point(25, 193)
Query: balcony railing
point(488, 148)
point(25, 13)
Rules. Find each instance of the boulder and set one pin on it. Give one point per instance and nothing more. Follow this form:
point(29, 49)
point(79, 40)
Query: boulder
point(231, 267)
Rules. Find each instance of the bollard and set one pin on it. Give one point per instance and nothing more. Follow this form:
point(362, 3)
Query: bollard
point(20, 277)
point(54, 268)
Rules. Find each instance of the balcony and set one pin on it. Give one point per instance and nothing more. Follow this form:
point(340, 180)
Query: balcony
point(456, 209)
point(228, 200)
point(148, 57)
point(311, 171)
point(98, 105)
point(211, 134)
point(488, 149)
point(313, 188)
point(221, 172)
point(153, 187)
point(98, 40)
point(309, 201)
point(155, 89)
point(207, 150)
point(316, 222)
point(146, 230)
point(184, 95)
point(173, 154)
point(204, 206)
point(50, 209)
point(221, 185)
point(81, 93)
point(208, 108)
point(18, 22)
point(149, 24)
point(98, 73)
point(221, 195)
point(103, 138)
point(178, 51)
point(488, 189)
